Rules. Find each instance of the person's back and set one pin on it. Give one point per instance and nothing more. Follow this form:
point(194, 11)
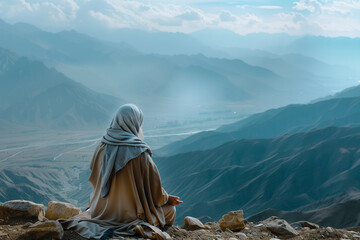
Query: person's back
point(127, 196)
point(135, 192)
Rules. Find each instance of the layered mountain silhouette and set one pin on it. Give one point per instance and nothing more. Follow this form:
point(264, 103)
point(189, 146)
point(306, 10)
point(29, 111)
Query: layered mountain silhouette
point(285, 158)
point(36, 96)
point(276, 122)
point(284, 173)
point(346, 93)
point(66, 46)
point(334, 50)
point(244, 86)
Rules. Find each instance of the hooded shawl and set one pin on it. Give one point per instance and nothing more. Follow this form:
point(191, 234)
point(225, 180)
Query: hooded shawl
point(122, 143)
point(136, 198)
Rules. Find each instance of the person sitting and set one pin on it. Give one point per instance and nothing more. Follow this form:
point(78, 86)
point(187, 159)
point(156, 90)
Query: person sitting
point(127, 194)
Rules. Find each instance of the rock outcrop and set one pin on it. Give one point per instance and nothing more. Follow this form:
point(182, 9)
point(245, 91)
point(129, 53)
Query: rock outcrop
point(61, 210)
point(21, 209)
point(191, 223)
point(233, 221)
point(309, 225)
point(231, 226)
point(44, 230)
point(280, 227)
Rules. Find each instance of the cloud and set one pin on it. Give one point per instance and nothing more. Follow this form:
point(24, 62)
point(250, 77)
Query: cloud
point(227, 16)
point(166, 17)
point(190, 15)
point(327, 17)
point(309, 5)
point(270, 7)
point(343, 7)
point(55, 12)
point(331, 17)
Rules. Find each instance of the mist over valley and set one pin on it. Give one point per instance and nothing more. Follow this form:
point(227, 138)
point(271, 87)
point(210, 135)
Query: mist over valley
point(265, 122)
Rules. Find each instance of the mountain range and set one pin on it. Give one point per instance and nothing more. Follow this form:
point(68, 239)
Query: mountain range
point(299, 158)
point(336, 111)
point(284, 173)
point(222, 43)
point(127, 65)
point(39, 97)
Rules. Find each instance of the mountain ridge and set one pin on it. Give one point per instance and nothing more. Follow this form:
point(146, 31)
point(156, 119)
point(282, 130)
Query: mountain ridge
point(275, 122)
point(286, 173)
point(34, 95)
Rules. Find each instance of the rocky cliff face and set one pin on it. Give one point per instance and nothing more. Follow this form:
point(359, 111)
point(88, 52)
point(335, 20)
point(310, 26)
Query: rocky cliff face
point(20, 219)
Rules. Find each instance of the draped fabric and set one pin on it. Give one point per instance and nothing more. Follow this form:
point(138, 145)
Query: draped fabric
point(126, 184)
point(136, 197)
point(122, 143)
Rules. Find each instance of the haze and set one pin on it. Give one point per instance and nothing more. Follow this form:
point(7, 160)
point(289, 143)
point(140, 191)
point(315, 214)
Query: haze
point(205, 73)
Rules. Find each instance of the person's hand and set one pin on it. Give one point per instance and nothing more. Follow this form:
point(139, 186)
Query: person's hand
point(174, 200)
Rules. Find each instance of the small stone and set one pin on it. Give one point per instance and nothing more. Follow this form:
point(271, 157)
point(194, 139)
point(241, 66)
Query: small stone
point(44, 230)
point(233, 221)
point(192, 223)
point(201, 231)
point(3, 234)
point(280, 227)
point(241, 235)
point(274, 239)
point(21, 209)
point(259, 225)
point(345, 236)
point(61, 210)
point(356, 236)
point(233, 238)
point(309, 225)
point(330, 229)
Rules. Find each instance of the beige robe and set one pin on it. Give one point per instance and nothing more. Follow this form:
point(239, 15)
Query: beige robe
point(135, 193)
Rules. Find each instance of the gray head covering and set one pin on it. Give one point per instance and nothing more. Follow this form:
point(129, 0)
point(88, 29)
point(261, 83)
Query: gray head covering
point(122, 143)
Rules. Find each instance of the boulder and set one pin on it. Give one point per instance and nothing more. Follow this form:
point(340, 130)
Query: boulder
point(192, 223)
point(309, 225)
point(44, 230)
point(61, 210)
point(233, 221)
point(280, 227)
point(21, 209)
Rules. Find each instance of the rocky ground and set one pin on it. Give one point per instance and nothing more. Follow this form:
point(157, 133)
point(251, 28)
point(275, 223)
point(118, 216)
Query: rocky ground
point(212, 231)
point(232, 226)
point(255, 232)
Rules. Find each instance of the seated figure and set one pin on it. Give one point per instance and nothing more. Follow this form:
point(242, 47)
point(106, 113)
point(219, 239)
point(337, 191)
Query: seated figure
point(127, 194)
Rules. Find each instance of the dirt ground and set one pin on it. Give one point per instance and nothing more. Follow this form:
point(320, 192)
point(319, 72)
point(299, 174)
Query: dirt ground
point(253, 231)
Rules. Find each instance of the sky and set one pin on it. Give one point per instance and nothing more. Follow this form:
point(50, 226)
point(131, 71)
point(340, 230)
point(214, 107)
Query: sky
point(314, 17)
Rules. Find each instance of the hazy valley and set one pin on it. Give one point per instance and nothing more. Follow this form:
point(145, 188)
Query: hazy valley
point(236, 122)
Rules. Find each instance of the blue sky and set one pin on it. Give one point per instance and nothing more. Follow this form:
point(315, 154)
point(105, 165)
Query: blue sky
point(315, 17)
